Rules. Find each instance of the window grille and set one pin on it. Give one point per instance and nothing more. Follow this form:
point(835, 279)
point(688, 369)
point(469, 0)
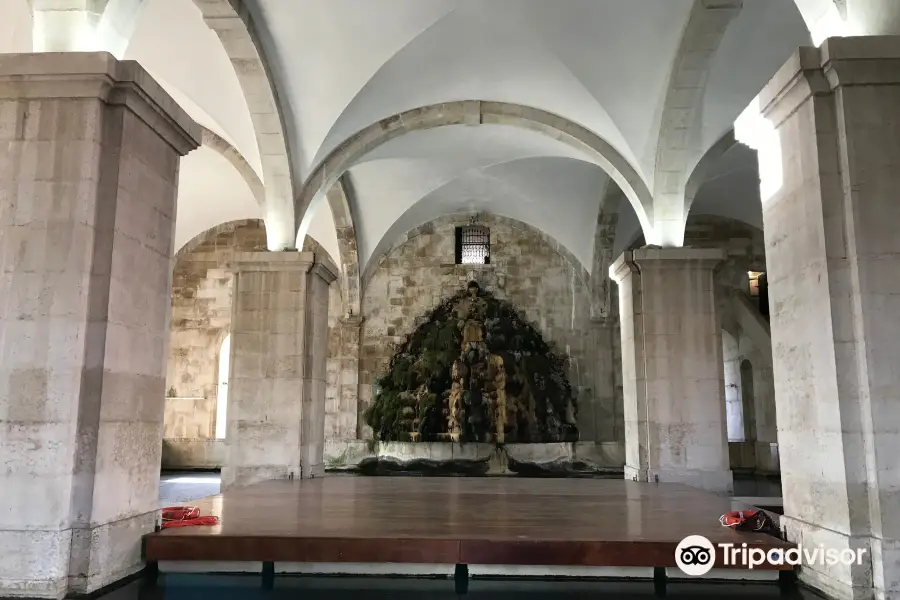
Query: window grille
point(473, 245)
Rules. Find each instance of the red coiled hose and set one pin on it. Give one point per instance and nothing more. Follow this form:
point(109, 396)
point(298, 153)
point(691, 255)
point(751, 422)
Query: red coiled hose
point(185, 516)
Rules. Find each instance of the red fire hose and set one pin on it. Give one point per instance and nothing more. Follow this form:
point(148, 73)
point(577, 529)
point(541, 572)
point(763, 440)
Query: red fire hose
point(748, 520)
point(185, 516)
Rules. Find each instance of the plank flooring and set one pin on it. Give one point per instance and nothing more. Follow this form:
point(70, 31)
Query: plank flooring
point(447, 520)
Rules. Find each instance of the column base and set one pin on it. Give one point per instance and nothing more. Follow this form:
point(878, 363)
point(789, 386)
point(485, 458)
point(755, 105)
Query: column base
point(107, 553)
point(878, 569)
point(711, 481)
point(52, 564)
point(635, 473)
point(34, 564)
point(312, 460)
point(768, 460)
point(313, 471)
point(233, 477)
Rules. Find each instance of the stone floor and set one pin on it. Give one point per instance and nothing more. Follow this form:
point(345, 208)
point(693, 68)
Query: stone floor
point(177, 488)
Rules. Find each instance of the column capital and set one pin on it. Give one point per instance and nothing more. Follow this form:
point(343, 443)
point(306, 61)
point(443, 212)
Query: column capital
point(324, 267)
point(264, 261)
point(87, 75)
point(838, 62)
point(316, 263)
point(632, 261)
point(622, 267)
point(677, 258)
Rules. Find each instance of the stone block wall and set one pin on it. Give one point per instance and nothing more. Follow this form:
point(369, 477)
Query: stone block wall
point(342, 371)
point(202, 294)
point(88, 188)
point(540, 277)
point(201, 319)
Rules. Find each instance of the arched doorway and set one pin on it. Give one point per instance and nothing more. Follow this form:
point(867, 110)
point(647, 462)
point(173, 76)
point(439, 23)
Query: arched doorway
point(734, 413)
point(748, 400)
point(222, 388)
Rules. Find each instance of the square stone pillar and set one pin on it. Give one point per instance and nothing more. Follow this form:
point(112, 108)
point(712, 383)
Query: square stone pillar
point(279, 345)
point(830, 170)
point(88, 179)
point(672, 367)
point(343, 418)
point(605, 416)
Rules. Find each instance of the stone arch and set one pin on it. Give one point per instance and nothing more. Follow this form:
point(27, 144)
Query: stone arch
point(603, 300)
point(824, 18)
point(704, 168)
point(376, 260)
point(231, 21)
point(214, 232)
point(214, 141)
point(339, 200)
point(473, 112)
point(680, 140)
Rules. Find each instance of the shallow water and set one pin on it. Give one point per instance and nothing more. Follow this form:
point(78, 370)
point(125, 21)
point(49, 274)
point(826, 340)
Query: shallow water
point(224, 587)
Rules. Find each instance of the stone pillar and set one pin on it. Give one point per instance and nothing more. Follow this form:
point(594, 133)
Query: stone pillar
point(830, 210)
point(88, 180)
point(602, 292)
point(607, 412)
point(279, 344)
point(672, 367)
point(345, 416)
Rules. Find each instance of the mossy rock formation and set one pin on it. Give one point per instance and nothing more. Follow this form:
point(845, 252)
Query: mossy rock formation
point(412, 399)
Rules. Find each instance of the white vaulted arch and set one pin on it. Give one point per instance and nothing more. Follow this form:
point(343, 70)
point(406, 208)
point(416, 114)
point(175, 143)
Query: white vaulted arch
point(82, 26)
point(472, 112)
point(232, 22)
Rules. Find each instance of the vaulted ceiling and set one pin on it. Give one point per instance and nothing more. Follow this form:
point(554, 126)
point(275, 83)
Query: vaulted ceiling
point(637, 73)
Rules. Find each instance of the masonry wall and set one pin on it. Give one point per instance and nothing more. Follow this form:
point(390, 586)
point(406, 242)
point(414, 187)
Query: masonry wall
point(201, 318)
point(202, 295)
point(542, 279)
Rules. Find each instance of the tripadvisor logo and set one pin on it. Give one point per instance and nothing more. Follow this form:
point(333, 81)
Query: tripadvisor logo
point(695, 555)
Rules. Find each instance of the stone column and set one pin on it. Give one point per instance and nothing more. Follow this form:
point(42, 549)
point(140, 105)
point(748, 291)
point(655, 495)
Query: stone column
point(88, 178)
point(672, 367)
point(607, 412)
point(830, 208)
point(279, 344)
point(345, 418)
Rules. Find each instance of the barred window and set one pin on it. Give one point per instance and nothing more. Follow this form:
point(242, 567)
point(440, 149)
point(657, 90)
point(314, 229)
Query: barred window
point(473, 245)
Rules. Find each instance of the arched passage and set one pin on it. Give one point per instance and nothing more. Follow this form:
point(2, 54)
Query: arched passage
point(473, 112)
point(748, 400)
point(734, 413)
point(222, 388)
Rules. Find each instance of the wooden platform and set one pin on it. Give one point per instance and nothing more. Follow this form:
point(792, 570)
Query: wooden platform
point(484, 521)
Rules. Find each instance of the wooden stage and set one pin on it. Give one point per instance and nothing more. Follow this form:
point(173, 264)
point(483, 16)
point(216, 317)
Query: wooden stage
point(454, 520)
